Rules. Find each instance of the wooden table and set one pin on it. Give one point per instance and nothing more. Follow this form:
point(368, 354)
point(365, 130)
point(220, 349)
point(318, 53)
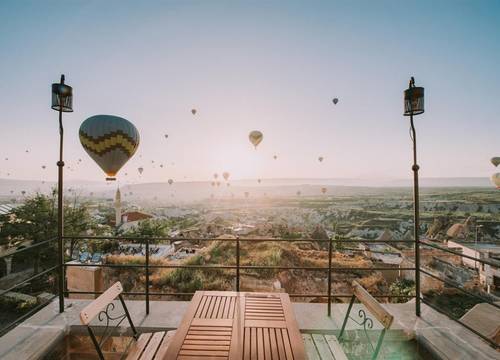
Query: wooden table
point(221, 325)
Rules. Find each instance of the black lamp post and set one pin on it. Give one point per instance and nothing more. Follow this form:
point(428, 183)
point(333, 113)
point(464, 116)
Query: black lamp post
point(62, 101)
point(414, 105)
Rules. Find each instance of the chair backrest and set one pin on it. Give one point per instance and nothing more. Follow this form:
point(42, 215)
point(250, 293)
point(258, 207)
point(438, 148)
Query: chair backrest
point(103, 308)
point(375, 308)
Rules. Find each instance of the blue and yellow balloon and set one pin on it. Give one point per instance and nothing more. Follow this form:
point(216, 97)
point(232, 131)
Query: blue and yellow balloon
point(110, 141)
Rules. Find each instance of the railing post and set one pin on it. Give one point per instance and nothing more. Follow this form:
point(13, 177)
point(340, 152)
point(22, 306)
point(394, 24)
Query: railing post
point(416, 221)
point(330, 251)
point(237, 264)
point(147, 276)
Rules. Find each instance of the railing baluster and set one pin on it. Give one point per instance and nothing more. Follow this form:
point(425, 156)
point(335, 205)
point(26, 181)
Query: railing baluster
point(330, 250)
point(237, 264)
point(147, 276)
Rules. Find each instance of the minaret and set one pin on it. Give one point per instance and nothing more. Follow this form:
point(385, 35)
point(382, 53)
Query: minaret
point(118, 207)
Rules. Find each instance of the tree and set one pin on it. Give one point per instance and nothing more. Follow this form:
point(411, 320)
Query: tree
point(36, 221)
point(149, 228)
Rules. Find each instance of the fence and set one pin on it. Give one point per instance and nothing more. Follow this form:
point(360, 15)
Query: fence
point(238, 267)
point(27, 281)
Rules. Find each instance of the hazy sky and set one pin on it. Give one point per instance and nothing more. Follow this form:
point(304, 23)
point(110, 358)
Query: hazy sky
point(270, 66)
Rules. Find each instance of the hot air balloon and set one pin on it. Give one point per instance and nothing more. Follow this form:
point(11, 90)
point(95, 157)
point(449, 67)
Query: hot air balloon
point(161, 165)
point(216, 176)
point(23, 192)
point(259, 180)
point(320, 158)
point(12, 191)
point(170, 181)
point(225, 175)
point(193, 111)
point(495, 179)
point(228, 184)
point(166, 136)
point(141, 169)
point(43, 167)
point(298, 193)
point(495, 160)
point(323, 190)
point(275, 157)
point(213, 183)
point(110, 141)
point(335, 101)
point(27, 151)
point(246, 194)
point(255, 137)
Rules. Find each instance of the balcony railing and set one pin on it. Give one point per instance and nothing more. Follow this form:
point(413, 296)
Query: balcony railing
point(237, 267)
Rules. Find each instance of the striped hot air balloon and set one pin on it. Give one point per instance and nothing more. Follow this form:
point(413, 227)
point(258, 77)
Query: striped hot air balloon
point(110, 141)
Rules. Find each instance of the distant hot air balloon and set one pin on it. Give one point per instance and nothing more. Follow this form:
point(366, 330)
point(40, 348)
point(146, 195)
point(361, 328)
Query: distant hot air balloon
point(161, 165)
point(193, 111)
point(141, 169)
point(246, 194)
point(255, 137)
point(495, 179)
point(495, 160)
point(43, 167)
point(170, 181)
point(27, 151)
point(225, 175)
point(298, 193)
point(23, 192)
point(323, 190)
point(216, 176)
point(213, 183)
point(320, 158)
point(12, 191)
point(110, 140)
point(228, 184)
point(259, 180)
point(91, 193)
point(335, 101)
point(152, 161)
point(275, 157)
point(166, 136)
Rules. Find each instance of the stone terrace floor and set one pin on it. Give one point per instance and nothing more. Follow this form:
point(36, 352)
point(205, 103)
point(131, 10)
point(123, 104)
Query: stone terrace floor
point(446, 338)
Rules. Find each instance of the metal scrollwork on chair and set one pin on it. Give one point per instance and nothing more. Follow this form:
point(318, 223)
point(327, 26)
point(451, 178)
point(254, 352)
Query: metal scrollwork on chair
point(106, 315)
point(367, 323)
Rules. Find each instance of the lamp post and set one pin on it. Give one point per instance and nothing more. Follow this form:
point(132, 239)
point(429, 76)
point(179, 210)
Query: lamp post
point(62, 101)
point(414, 105)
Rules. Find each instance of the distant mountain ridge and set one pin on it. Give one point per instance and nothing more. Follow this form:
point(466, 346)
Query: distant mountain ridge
point(13, 187)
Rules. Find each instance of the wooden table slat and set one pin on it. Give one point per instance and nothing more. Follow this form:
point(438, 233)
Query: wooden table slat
point(235, 326)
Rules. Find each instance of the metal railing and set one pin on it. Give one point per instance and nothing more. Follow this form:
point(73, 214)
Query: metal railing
point(238, 267)
point(30, 279)
point(457, 286)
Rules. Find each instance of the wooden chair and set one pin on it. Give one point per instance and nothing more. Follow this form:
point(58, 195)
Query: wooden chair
point(142, 346)
point(319, 346)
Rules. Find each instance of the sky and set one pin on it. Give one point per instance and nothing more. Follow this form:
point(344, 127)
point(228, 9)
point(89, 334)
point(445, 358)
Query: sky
point(271, 66)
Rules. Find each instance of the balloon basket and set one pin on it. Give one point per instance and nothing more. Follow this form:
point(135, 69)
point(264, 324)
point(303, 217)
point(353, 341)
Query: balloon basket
point(110, 179)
